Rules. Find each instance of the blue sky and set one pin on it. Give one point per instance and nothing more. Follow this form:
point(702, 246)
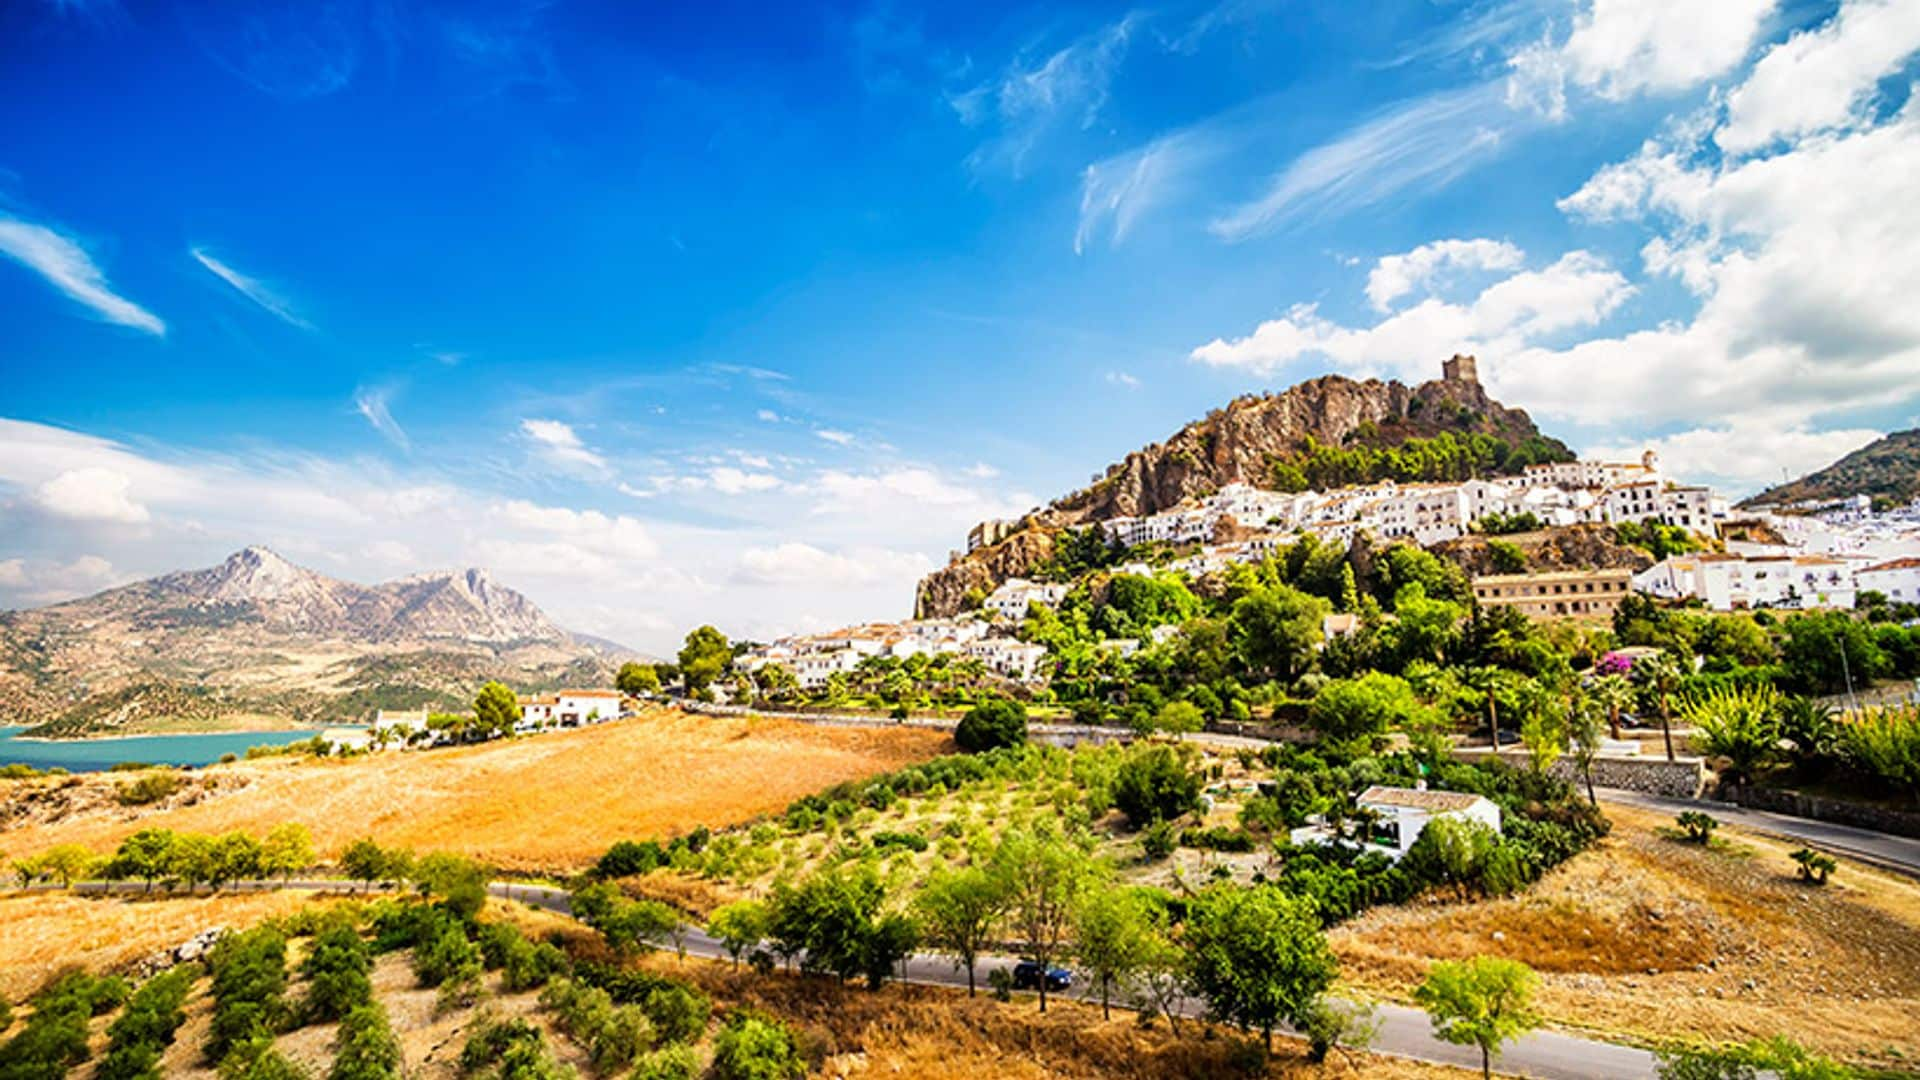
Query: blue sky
point(743, 313)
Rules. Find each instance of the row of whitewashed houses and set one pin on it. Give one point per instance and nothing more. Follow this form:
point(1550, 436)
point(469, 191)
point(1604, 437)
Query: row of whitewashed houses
point(813, 659)
point(1727, 581)
point(1566, 493)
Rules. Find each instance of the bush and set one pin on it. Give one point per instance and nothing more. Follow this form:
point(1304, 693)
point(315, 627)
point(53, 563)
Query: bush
point(249, 989)
point(614, 1035)
point(448, 954)
point(755, 1046)
point(1815, 867)
point(627, 858)
point(883, 841)
point(1218, 839)
point(146, 1027)
point(1363, 709)
point(1159, 840)
point(515, 1050)
point(55, 1036)
point(1698, 825)
point(676, 1062)
point(150, 788)
point(365, 1047)
point(1884, 744)
point(1155, 783)
point(993, 724)
point(337, 970)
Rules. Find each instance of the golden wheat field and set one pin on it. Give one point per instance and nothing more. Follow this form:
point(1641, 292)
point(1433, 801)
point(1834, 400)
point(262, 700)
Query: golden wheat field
point(546, 802)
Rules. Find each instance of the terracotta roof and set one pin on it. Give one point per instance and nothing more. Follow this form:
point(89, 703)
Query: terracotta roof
point(1378, 795)
point(1907, 563)
point(590, 693)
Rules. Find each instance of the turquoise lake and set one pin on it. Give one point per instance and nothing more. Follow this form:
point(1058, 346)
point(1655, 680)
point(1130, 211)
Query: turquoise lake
point(93, 755)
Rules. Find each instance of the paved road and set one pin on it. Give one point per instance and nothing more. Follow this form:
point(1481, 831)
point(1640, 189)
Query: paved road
point(1898, 853)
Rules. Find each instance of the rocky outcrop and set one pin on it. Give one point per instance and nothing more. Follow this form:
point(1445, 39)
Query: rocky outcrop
point(1241, 442)
point(945, 592)
point(1577, 547)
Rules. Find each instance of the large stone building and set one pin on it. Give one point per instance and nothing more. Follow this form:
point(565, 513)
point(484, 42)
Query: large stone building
point(1556, 594)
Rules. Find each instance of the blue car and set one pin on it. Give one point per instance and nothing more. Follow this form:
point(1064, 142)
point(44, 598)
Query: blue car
point(1027, 975)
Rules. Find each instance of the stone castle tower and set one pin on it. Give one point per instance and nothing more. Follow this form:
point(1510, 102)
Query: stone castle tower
point(1463, 369)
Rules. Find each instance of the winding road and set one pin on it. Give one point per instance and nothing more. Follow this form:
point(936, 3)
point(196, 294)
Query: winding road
point(1900, 854)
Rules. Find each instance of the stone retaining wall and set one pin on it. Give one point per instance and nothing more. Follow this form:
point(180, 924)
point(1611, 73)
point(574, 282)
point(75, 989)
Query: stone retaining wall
point(1858, 815)
point(1679, 779)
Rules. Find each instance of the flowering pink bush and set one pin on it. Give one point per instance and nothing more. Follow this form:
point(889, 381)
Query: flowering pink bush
point(1613, 664)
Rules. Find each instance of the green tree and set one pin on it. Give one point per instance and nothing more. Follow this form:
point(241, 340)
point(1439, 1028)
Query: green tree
point(287, 850)
point(1612, 693)
point(1483, 1002)
point(738, 927)
point(958, 910)
point(1274, 631)
point(1257, 956)
point(1584, 731)
point(1179, 717)
point(1363, 710)
point(143, 855)
point(145, 1028)
point(367, 862)
point(704, 658)
point(1830, 652)
point(994, 723)
point(495, 711)
point(1659, 676)
point(236, 857)
point(637, 679)
point(830, 917)
point(1045, 878)
point(1113, 936)
point(339, 971)
point(65, 863)
point(1156, 783)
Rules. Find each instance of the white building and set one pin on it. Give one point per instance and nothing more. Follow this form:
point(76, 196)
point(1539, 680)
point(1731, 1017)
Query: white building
point(1010, 601)
point(1402, 815)
point(569, 708)
point(1728, 582)
point(1898, 580)
point(1009, 658)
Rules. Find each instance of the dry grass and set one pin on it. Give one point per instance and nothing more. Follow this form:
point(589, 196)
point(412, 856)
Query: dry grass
point(1658, 940)
point(45, 932)
point(551, 802)
point(937, 1034)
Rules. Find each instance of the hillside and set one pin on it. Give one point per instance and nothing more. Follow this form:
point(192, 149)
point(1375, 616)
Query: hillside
point(1324, 433)
point(1887, 468)
point(259, 641)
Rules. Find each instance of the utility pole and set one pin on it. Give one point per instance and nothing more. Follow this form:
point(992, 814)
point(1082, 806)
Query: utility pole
point(1853, 705)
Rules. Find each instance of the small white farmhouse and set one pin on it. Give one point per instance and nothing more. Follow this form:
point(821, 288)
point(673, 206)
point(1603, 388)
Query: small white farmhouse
point(1403, 814)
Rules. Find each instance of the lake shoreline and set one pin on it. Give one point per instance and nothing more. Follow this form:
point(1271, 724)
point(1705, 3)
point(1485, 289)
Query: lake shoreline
point(98, 753)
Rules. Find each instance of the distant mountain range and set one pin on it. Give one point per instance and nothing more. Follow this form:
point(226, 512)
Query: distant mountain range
point(1887, 468)
point(258, 639)
point(1289, 439)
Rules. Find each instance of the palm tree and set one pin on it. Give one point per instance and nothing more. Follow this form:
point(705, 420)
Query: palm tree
point(1613, 693)
point(1490, 682)
point(1660, 675)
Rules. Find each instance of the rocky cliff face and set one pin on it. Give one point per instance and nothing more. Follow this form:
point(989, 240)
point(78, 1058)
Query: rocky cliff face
point(1240, 443)
point(944, 592)
point(1581, 547)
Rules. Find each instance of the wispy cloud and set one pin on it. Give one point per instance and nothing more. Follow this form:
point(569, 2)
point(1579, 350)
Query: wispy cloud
point(1033, 97)
point(1122, 189)
point(1428, 141)
point(372, 403)
point(556, 441)
point(837, 438)
point(1121, 378)
point(252, 288)
point(68, 268)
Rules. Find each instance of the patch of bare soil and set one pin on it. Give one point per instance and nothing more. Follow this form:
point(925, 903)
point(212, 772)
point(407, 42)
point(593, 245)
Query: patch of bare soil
point(1653, 939)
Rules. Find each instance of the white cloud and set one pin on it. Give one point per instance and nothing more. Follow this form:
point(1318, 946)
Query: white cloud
point(980, 470)
point(252, 288)
point(1121, 378)
point(1120, 190)
point(1395, 276)
point(768, 416)
point(1806, 285)
point(50, 582)
point(1428, 142)
point(1579, 289)
point(1033, 97)
point(372, 403)
point(794, 563)
point(556, 441)
point(1726, 457)
point(68, 268)
point(92, 493)
point(1821, 79)
point(731, 481)
point(1619, 49)
point(837, 438)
